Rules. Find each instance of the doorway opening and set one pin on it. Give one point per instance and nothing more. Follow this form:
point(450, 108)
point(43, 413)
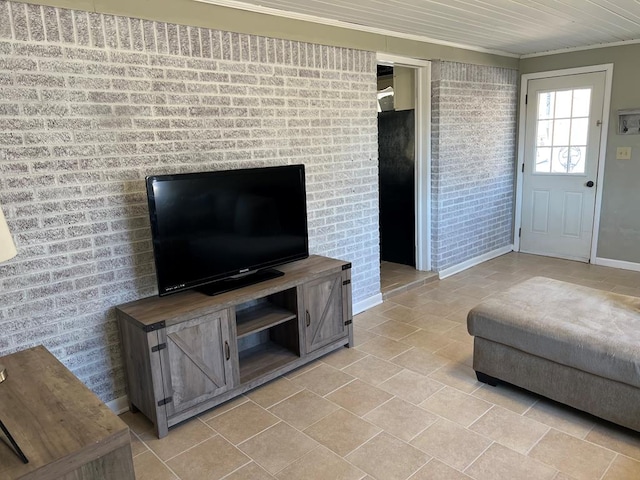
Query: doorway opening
point(404, 173)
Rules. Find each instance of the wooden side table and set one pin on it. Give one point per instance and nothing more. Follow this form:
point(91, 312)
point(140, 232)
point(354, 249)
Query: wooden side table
point(64, 430)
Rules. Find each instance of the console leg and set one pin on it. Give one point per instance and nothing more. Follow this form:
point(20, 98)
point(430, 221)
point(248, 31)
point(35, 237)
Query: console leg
point(484, 378)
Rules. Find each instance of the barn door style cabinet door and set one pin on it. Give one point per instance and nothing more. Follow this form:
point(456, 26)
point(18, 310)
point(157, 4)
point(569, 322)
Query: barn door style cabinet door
point(324, 310)
point(196, 363)
point(188, 352)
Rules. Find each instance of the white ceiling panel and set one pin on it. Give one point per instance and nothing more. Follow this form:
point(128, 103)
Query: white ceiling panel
point(513, 27)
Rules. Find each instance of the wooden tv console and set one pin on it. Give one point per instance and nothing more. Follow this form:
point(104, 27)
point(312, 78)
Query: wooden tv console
point(188, 352)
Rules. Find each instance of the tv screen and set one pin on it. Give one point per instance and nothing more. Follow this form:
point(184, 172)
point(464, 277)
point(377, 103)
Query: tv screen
point(211, 227)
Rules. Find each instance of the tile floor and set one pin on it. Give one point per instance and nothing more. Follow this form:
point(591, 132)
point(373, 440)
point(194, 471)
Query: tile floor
point(403, 404)
point(396, 278)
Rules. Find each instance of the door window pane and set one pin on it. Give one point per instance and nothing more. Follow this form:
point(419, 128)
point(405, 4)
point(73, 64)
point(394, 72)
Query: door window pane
point(562, 131)
point(557, 160)
point(543, 160)
point(564, 99)
point(578, 164)
point(545, 131)
point(546, 102)
point(581, 102)
point(579, 130)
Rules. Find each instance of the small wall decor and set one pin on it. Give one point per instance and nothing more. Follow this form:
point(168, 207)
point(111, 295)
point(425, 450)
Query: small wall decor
point(629, 121)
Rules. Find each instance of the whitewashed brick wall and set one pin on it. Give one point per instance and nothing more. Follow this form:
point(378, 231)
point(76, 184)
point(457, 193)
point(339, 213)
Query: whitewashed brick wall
point(473, 160)
point(91, 103)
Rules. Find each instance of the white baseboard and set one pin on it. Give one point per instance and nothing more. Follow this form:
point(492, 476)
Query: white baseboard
point(119, 405)
point(609, 262)
point(472, 262)
point(367, 304)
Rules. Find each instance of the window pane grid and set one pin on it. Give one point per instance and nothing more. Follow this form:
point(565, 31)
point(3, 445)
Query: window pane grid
point(561, 131)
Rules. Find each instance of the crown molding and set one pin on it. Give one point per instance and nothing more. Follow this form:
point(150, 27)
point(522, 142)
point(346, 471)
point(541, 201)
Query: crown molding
point(351, 26)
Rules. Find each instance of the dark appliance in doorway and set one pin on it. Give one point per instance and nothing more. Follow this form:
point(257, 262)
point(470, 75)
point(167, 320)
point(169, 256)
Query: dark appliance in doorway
point(396, 157)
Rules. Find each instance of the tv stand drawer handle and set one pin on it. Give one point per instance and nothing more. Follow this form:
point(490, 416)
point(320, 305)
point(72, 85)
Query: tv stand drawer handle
point(227, 350)
point(308, 318)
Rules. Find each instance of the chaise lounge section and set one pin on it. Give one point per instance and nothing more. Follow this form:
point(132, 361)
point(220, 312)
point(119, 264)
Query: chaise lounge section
point(576, 345)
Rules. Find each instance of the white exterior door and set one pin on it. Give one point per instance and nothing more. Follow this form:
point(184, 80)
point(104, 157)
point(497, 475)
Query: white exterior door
point(562, 144)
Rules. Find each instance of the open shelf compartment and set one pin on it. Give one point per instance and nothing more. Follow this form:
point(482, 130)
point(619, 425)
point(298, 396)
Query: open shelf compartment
point(261, 317)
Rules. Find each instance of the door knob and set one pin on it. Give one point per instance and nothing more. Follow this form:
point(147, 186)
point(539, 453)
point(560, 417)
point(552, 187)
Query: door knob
point(590, 184)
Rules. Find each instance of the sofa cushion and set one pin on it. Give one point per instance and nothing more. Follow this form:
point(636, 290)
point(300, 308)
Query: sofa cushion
point(581, 327)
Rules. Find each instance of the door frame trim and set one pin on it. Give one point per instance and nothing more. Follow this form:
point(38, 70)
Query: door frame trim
point(602, 154)
point(422, 188)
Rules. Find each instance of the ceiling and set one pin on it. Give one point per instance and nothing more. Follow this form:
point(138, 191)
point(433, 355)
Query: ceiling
point(512, 27)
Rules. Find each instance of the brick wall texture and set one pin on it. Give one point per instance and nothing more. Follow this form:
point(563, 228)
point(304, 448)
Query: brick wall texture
point(91, 103)
point(473, 160)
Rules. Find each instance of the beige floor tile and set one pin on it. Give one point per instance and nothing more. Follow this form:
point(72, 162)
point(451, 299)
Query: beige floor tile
point(137, 446)
point(460, 334)
point(277, 447)
point(303, 409)
point(452, 444)
point(359, 397)
point(386, 457)
point(623, 468)
point(212, 459)
point(222, 408)
point(372, 370)
point(427, 341)
point(435, 325)
point(456, 406)
point(384, 348)
point(401, 313)
point(561, 417)
point(342, 431)
point(251, 471)
point(345, 356)
point(420, 361)
point(436, 470)
point(460, 315)
point(321, 464)
point(368, 320)
point(137, 422)
point(514, 431)
point(401, 419)
point(360, 335)
point(394, 330)
point(148, 467)
point(458, 376)
point(273, 392)
point(411, 386)
point(580, 459)
point(618, 439)
point(500, 463)
point(507, 396)
point(242, 422)
point(323, 379)
point(457, 352)
point(303, 369)
point(180, 438)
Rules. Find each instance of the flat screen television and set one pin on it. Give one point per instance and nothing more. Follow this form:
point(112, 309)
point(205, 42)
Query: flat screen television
point(217, 231)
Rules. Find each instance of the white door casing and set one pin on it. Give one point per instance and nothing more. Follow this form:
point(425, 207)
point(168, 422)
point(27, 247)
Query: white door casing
point(423, 152)
point(561, 154)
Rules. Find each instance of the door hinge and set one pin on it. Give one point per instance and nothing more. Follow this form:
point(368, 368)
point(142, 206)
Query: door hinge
point(522, 167)
point(519, 232)
point(160, 346)
point(346, 266)
point(346, 282)
point(164, 401)
point(526, 99)
point(348, 322)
